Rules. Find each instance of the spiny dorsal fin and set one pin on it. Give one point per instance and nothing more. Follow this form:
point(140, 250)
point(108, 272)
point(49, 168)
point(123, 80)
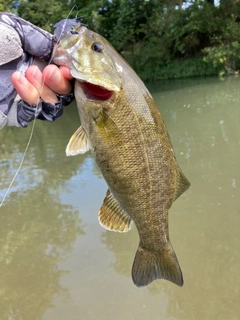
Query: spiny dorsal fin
point(182, 184)
point(78, 143)
point(112, 217)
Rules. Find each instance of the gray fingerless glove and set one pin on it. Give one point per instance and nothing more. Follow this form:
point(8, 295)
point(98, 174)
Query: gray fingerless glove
point(27, 112)
point(43, 110)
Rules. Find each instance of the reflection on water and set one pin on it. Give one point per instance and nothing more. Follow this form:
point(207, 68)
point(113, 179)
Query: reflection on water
point(34, 238)
point(37, 231)
point(56, 261)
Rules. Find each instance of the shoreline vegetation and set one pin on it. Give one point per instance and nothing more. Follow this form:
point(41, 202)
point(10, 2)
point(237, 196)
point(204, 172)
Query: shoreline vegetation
point(161, 39)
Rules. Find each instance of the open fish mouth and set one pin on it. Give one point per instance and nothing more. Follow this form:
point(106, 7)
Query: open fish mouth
point(95, 92)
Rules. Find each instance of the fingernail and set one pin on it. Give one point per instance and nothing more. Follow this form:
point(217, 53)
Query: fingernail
point(21, 79)
point(37, 75)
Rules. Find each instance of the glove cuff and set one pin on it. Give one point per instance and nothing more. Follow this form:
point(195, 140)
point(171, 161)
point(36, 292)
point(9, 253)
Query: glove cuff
point(43, 110)
point(65, 99)
point(27, 112)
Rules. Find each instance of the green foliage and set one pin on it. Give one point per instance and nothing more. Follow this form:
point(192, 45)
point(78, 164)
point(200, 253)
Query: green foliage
point(224, 57)
point(8, 5)
point(43, 13)
point(183, 68)
point(224, 49)
point(155, 35)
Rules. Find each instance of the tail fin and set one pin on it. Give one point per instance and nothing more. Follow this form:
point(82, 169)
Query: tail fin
point(149, 266)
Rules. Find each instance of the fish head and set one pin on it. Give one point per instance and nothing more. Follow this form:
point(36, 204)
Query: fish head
point(90, 59)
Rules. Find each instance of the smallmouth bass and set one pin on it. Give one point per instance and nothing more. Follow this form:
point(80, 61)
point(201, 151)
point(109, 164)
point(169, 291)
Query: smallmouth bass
point(121, 125)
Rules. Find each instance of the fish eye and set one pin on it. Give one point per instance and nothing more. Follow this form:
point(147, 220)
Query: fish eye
point(97, 47)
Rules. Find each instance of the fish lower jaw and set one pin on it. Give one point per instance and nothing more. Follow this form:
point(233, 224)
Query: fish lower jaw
point(94, 92)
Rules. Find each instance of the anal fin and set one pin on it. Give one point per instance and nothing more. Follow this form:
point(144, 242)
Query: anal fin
point(78, 144)
point(182, 184)
point(112, 217)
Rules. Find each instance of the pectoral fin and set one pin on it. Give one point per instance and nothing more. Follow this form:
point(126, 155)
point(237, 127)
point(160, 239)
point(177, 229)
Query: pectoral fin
point(112, 217)
point(78, 143)
point(182, 184)
point(108, 128)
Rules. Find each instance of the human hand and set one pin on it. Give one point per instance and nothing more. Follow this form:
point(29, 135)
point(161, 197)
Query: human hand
point(44, 85)
point(43, 94)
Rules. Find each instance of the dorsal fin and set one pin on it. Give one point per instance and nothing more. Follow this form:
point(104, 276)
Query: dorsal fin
point(112, 217)
point(182, 184)
point(78, 143)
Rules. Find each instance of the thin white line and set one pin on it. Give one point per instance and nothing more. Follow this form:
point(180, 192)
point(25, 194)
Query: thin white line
point(20, 165)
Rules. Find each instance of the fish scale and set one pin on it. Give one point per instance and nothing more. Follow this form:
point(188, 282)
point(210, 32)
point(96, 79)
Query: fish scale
point(130, 144)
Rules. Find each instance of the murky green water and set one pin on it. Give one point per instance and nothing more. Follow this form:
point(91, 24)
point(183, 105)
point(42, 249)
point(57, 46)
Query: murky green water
point(56, 262)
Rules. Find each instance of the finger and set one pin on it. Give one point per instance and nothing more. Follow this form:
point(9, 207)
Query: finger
point(66, 72)
point(35, 77)
point(24, 88)
point(55, 80)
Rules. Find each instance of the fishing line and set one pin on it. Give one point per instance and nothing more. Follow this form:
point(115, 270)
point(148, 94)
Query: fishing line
point(33, 122)
point(20, 165)
point(63, 28)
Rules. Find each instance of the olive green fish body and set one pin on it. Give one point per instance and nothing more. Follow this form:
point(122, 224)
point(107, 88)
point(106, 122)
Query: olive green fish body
point(131, 146)
point(139, 172)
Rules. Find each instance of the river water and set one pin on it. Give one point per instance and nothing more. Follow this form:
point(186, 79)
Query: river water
point(57, 262)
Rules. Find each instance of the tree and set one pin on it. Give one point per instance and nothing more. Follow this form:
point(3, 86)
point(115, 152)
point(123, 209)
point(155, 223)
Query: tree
point(210, 1)
point(8, 5)
point(43, 13)
point(153, 35)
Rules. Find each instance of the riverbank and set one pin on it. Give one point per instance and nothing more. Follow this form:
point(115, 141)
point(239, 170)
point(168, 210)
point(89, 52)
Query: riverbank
point(179, 69)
